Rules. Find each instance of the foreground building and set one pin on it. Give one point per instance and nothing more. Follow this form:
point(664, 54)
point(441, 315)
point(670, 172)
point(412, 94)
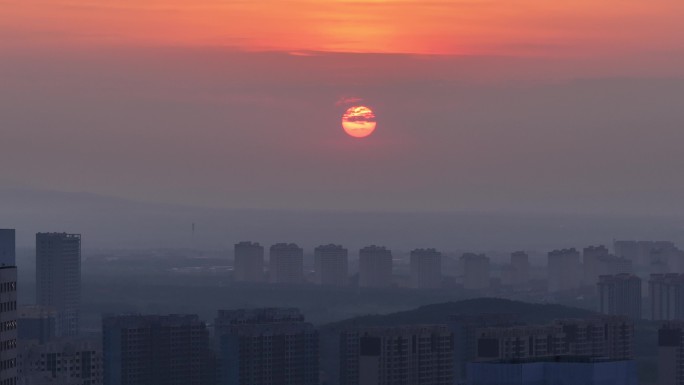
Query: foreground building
point(375, 267)
point(36, 324)
point(58, 278)
point(404, 355)
point(157, 350)
point(611, 337)
point(249, 262)
point(620, 295)
point(8, 308)
point(266, 347)
point(331, 265)
point(671, 354)
point(68, 362)
point(580, 370)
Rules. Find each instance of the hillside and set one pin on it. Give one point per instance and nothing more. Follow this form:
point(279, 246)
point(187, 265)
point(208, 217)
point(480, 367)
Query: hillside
point(439, 313)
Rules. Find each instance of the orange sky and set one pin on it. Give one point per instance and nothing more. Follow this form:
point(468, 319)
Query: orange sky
point(505, 27)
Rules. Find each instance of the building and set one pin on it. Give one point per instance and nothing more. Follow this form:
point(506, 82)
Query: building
point(8, 308)
point(465, 329)
point(156, 350)
point(520, 268)
point(267, 346)
point(249, 262)
point(375, 267)
point(611, 337)
point(554, 370)
point(331, 264)
point(403, 355)
point(666, 297)
point(475, 271)
point(426, 269)
point(591, 259)
point(671, 354)
point(620, 295)
point(286, 263)
point(643, 254)
point(65, 362)
point(564, 270)
point(36, 324)
point(58, 278)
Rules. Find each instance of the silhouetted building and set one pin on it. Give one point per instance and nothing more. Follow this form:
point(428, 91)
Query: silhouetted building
point(591, 260)
point(36, 324)
point(620, 295)
point(564, 270)
point(666, 297)
point(58, 278)
point(157, 350)
point(426, 269)
point(267, 346)
point(671, 354)
point(465, 330)
point(402, 355)
point(7, 247)
point(554, 370)
point(611, 337)
point(375, 267)
point(331, 264)
point(642, 253)
point(249, 262)
point(64, 362)
point(286, 263)
point(520, 268)
point(8, 308)
point(475, 271)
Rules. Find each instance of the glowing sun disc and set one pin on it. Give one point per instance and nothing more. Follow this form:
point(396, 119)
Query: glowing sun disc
point(359, 121)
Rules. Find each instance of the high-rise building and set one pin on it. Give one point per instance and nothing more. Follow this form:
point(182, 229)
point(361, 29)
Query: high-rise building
point(68, 362)
point(286, 263)
point(58, 278)
point(666, 297)
point(267, 346)
point(157, 350)
point(620, 295)
point(7, 247)
point(475, 271)
point(375, 267)
point(465, 329)
point(331, 265)
point(591, 257)
point(403, 355)
point(611, 337)
point(36, 324)
point(249, 262)
point(520, 268)
point(643, 253)
point(671, 353)
point(553, 370)
point(426, 269)
point(8, 308)
point(564, 270)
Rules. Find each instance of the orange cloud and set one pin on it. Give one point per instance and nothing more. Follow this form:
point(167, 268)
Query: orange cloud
point(521, 27)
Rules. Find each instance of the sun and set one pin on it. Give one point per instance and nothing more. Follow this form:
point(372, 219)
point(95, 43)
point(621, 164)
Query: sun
point(359, 121)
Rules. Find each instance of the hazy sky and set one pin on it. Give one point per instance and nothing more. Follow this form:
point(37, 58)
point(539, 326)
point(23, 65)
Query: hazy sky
point(481, 104)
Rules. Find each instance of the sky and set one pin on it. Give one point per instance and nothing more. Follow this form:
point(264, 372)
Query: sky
point(481, 105)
